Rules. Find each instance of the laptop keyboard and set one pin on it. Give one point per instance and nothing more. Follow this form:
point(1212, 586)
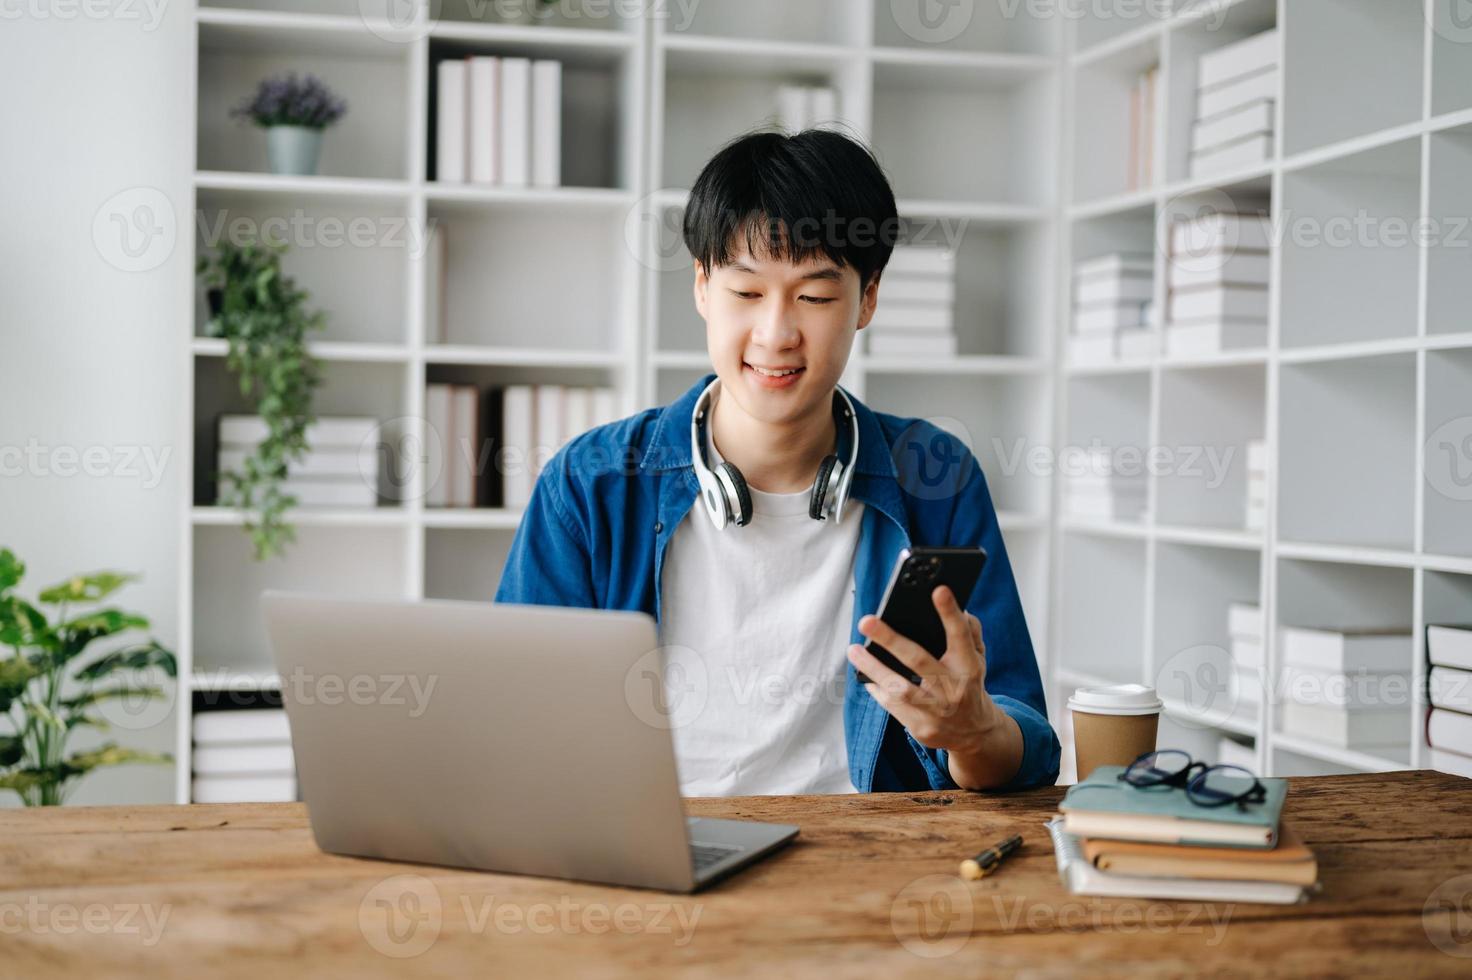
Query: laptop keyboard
point(708, 855)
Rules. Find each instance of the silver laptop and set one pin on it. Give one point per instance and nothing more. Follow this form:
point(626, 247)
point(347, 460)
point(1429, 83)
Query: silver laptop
point(525, 739)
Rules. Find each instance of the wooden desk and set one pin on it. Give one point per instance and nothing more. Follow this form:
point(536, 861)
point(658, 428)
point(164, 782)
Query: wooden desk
point(243, 891)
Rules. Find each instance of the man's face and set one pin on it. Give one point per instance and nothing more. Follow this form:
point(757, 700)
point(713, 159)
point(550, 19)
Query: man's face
point(766, 316)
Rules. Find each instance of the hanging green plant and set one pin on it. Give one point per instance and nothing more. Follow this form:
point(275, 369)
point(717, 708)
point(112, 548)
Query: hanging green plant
point(33, 759)
point(264, 318)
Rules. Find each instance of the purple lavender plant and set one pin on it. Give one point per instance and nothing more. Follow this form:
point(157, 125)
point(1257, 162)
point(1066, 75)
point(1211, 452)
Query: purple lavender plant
point(289, 101)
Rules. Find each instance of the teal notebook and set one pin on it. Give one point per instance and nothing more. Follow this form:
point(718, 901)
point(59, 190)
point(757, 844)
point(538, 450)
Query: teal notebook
point(1104, 806)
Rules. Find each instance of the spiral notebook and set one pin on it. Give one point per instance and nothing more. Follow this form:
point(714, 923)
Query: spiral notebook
point(1082, 878)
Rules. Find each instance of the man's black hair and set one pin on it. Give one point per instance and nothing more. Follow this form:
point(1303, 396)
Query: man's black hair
point(793, 198)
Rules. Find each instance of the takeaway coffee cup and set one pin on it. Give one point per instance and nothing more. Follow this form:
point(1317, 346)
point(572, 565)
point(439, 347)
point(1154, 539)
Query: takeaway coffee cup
point(1113, 724)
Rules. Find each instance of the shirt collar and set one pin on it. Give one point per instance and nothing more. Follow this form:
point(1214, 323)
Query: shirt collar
point(669, 447)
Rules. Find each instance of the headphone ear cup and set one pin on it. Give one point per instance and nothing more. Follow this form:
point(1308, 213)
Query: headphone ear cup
point(820, 488)
point(742, 510)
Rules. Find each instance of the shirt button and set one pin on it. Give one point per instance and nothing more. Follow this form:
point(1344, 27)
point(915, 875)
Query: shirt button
point(658, 526)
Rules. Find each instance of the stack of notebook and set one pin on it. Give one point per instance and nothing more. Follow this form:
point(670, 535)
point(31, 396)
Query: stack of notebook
point(1118, 840)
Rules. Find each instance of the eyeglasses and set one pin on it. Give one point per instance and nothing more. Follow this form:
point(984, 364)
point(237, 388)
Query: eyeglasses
point(1205, 785)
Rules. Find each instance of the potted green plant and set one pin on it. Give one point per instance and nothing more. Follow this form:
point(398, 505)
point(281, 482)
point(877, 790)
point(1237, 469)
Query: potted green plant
point(294, 112)
point(41, 704)
point(263, 316)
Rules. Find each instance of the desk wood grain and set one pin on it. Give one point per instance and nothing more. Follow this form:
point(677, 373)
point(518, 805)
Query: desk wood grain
point(869, 889)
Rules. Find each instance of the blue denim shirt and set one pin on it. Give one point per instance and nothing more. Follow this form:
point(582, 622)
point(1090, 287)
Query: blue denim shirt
point(605, 507)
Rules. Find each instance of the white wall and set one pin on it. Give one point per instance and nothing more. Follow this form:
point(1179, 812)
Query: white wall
point(98, 101)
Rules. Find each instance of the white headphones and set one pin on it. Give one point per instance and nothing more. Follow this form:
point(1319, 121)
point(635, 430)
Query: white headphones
point(724, 491)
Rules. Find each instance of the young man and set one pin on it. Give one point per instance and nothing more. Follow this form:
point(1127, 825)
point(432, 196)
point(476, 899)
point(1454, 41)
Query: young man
point(758, 517)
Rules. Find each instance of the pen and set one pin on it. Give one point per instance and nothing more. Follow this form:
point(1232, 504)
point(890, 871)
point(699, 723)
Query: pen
point(990, 859)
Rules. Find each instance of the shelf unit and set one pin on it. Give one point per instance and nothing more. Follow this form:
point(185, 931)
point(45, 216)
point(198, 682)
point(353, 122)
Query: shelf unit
point(1362, 394)
point(646, 101)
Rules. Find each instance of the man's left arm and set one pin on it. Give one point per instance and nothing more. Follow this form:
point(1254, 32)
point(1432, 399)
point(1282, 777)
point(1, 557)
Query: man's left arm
point(978, 719)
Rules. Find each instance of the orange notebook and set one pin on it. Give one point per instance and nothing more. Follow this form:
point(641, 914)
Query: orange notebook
point(1290, 862)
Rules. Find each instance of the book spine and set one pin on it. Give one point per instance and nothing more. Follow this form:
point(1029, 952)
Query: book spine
point(546, 123)
point(484, 99)
point(450, 123)
point(516, 133)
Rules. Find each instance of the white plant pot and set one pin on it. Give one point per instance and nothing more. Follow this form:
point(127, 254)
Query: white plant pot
point(293, 149)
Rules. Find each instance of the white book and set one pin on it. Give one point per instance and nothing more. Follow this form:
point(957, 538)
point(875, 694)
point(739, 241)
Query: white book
point(930, 260)
point(326, 432)
point(1114, 289)
point(1231, 62)
point(940, 342)
point(485, 108)
point(793, 103)
point(577, 412)
point(1230, 752)
point(1257, 457)
point(1384, 650)
point(233, 726)
point(515, 457)
point(1238, 155)
point(452, 106)
point(1244, 686)
point(243, 789)
point(1451, 762)
point(546, 117)
point(823, 107)
point(1196, 339)
point(1243, 91)
point(1218, 303)
point(1247, 654)
point(1451, 689)
point(918, 290)
point(1219, 267)
point(1245, 621)
point(911, 315)
point(1088, 349)
point(434, 284)
point(1348, 728)
point(1115, 264)
point(547, 415)
point(1218, 231)
point(1136, 344)
point(332, 493)
point(275, 759)
point(1108, 317)
point(465, 407)
point(1361, 690)
point(1449, 646)
point(341, 463)
point(605, 406)
point(1256, 518)
point(1080, 877)
point(1450, 730)
point(438, 443)
point(516, 121)
point(1252, 119)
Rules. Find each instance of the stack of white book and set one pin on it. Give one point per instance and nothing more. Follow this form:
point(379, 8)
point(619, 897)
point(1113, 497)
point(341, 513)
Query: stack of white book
point(499, 121)
point(339, 468)
point(1236, 86)
point(243, 756)
point(1347, 688)
point(1096, 490)
point(917, 298)
point(1449, 730)
point(534, 421)
point(454, 445)
point(1140, 168)
point(1217, 284)
point(1246, 629)
point(802, 107)
point(1257, 484)
point(1113, 308)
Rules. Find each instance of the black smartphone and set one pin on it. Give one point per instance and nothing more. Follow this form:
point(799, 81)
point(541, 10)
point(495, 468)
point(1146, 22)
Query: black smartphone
point(907, 606)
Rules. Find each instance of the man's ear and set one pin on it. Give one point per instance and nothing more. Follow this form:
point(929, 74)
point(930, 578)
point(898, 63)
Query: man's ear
point(702, 286)
point(868, 302)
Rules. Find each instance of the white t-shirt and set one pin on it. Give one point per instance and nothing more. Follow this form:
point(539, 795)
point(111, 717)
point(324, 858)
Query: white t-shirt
point(755, 625)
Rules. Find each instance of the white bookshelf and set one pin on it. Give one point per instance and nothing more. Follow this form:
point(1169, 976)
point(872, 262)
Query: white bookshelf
point(1368, 353)
point(646, 102)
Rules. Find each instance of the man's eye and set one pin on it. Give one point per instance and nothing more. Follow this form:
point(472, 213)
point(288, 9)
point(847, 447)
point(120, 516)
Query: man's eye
point(745, 295)
point(817, 300)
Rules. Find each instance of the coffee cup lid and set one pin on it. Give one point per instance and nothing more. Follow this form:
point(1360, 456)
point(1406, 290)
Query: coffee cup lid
point(1116, 699)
